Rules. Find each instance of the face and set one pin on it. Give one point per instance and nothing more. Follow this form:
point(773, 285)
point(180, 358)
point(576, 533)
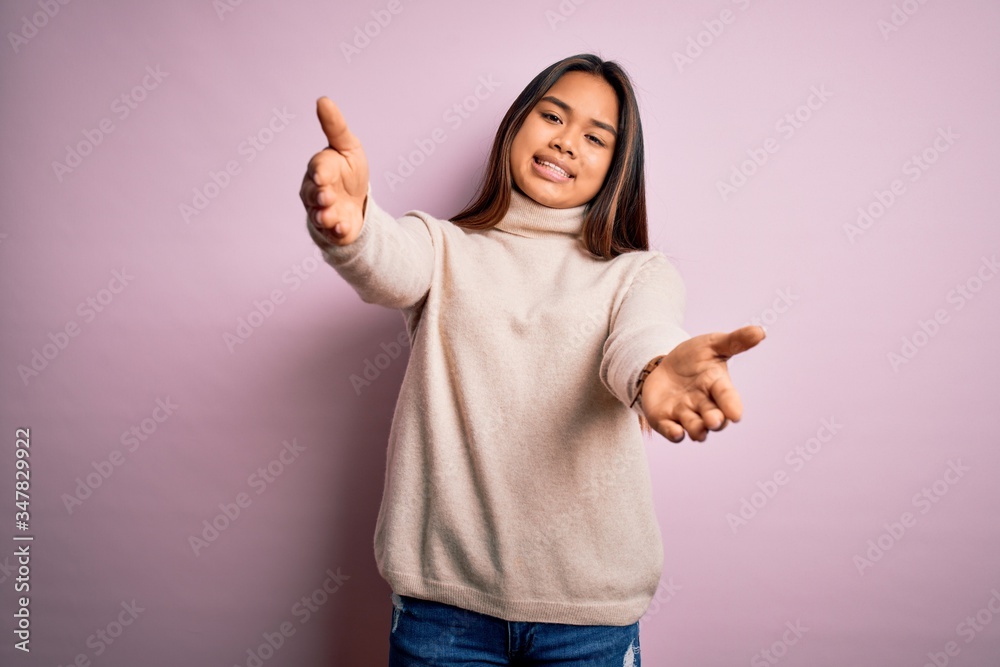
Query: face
point(573, 128)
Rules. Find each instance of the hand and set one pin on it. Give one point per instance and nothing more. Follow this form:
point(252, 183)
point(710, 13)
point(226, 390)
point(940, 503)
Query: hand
point(690, 389)
point(335, 187)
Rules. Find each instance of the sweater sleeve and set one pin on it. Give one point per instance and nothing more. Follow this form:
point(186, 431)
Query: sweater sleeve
point(390, 262)
point(646, 324)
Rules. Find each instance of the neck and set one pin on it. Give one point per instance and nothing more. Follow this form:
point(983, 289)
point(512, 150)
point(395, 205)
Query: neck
point(526, 217)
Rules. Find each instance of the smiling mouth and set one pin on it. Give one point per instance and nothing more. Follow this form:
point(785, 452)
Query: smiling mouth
point(553, 169)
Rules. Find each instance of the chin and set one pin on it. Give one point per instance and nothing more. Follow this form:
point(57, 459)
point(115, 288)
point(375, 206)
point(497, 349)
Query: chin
point(546, 200)
point(542, 195)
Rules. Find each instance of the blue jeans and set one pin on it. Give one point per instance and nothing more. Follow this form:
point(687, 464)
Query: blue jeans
point(426, 633)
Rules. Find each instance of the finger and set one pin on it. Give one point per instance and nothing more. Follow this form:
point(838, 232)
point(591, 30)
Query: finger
point(740, 340)
point(340, 217)
point(338, 136)
point(669, 429)
point(319, 216)
point(319, 196)
point(309, 193)
point(321, 170)
point(712, 416)
point(302, 191)
point(692, 423)
point(327, 217)
point(727, 398)
point(346, 211)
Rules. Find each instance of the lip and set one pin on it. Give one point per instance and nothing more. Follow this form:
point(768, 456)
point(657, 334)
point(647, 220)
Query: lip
point(546, 173)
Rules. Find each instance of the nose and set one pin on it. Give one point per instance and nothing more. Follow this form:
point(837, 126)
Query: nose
point(562, 144)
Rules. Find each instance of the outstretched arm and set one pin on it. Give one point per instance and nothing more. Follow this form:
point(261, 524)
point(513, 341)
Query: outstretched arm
point(646, 323)
point(388, 262)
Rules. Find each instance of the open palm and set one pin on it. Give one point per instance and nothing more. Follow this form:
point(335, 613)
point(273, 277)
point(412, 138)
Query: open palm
point(691, 391)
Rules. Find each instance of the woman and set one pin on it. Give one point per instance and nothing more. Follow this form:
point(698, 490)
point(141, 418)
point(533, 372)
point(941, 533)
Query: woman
point(517, 523)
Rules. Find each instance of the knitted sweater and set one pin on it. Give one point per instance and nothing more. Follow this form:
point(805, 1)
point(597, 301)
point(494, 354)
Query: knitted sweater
point(516, 478)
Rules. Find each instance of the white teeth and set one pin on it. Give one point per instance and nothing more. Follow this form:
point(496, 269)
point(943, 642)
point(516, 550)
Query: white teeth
point(553, 167)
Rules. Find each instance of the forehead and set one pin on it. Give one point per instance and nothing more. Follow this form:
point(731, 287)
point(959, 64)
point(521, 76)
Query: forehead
point(588, 94)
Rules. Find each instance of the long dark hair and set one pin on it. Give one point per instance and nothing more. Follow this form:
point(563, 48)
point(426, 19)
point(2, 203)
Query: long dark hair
point(615, 221)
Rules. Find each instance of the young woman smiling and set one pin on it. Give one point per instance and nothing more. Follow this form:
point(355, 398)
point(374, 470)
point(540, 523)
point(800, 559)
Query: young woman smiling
point(517, 523)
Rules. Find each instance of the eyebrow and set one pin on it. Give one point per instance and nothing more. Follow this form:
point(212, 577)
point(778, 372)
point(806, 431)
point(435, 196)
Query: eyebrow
point(568, 109)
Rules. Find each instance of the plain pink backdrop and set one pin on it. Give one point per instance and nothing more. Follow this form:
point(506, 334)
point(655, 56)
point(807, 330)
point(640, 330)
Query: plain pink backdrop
point(838, 304)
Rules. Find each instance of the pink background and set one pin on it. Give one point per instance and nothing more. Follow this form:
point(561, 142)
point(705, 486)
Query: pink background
point(778, 243)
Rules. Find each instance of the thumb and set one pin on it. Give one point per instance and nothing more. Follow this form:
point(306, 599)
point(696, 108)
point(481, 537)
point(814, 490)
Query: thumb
point(737, 341)
point(339, 137)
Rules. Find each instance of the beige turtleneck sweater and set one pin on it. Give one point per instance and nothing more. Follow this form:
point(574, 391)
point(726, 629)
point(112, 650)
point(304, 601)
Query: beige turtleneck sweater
point(517, 483)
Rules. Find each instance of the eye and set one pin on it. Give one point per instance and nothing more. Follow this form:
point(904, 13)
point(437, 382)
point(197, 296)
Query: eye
point(546, 114)
point(597, 140)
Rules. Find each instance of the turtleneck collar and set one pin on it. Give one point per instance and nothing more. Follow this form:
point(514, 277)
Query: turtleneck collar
point(526, 217)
